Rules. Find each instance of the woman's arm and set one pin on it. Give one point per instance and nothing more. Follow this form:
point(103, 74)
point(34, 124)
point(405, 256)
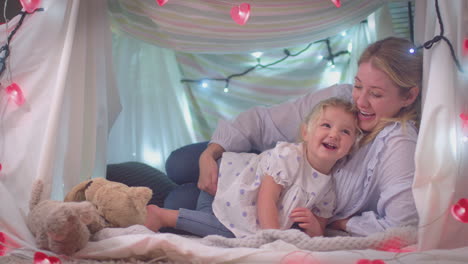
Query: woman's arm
point(260, 128)
point(267, 209)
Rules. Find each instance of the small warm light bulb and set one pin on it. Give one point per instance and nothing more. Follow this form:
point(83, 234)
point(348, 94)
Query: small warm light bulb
point(226, 90)
point(350, 47)
point(343, 33)
point(204, 84)
point(411, 50)
point(257, 54)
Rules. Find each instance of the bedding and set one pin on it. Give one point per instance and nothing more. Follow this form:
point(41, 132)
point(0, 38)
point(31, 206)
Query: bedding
point(269, 246)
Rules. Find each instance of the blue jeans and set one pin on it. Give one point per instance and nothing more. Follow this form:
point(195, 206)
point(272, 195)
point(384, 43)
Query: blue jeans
point(182, 168)
point(195, 207)
point(202, 221)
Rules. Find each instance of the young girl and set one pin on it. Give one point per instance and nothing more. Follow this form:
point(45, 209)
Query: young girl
point(289, 183)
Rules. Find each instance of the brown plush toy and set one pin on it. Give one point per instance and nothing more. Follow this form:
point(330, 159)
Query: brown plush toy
point(119, 204)
point(61, 227)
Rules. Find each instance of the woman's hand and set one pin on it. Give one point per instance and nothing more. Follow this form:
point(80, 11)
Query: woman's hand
point(339, 224)
point(311, 224)
point(208, 178)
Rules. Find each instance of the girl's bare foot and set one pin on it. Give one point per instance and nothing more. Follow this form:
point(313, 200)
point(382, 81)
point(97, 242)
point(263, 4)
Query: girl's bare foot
point(153, 219)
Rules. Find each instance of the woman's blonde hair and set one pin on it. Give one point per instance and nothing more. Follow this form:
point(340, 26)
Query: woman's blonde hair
point(318, 109)
point(393, 57)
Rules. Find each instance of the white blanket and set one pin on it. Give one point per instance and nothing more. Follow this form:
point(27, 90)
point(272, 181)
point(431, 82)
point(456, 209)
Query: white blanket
point(268, 246)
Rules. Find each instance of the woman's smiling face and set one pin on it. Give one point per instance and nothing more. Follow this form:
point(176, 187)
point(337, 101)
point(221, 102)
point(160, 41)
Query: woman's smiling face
point(377, 97)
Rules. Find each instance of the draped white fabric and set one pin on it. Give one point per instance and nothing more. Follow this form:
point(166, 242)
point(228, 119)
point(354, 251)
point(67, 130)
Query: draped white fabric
point(441, 155)
point(206, 26)
point(61, 59)
point(154, 118)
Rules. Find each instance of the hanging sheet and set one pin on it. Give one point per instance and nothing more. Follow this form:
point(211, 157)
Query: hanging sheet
point(61, 59)
point(206, 26)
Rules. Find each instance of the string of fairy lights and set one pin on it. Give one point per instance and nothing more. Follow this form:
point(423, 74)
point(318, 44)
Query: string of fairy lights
point(459, 210)
point(330, 57)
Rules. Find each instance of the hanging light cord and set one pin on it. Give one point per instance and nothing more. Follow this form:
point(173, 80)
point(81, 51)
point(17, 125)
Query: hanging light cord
point(428, 44)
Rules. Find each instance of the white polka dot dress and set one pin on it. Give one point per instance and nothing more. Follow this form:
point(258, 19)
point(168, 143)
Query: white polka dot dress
point(239, 180)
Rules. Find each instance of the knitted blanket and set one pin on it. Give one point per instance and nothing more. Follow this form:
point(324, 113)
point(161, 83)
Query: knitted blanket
point(390, 240)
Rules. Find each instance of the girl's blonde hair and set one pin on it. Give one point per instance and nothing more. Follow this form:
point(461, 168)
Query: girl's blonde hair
point(393, 57)
point(318, 109)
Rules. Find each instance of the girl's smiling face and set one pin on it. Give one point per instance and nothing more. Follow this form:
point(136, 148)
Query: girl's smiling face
point(377, 97)
point(329, 138)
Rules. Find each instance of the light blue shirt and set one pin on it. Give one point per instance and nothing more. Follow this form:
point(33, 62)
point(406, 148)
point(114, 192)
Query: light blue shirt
point(373, 185)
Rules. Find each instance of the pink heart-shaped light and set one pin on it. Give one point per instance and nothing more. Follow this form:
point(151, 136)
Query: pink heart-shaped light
point(241, 13)
point(336, 2)
point(460, 210)
point(42, 258)
point(161, 2)
point(2, 244)
point(464, 118)
point(15, 93)
point(30, 5)
point(465, 46)
point(368, 261)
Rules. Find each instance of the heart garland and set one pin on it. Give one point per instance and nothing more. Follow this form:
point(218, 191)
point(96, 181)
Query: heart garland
point(337, 3)
point(30, 5)
point(15, 93)
point(464, 118)
point(42, 258)
point(2, 244)
point(241, 13)
point(368, 261)
point(161, 2)
point(460, 210)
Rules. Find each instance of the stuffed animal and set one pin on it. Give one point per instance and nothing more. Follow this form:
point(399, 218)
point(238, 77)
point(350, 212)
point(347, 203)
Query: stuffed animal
point(61, 227)
point(119, 204)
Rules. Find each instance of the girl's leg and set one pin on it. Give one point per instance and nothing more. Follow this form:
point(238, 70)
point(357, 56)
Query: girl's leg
point(194, 222)
point(205, 203)
point(201, 224)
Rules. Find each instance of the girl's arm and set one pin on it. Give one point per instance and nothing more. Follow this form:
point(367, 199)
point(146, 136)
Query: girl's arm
point(267, 199)
point(312, 224)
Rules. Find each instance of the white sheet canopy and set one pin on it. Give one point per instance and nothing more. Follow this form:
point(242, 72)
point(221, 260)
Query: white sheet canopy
point(64, 59)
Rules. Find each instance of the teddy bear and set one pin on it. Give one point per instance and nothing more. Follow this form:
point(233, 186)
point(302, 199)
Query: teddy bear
point(61, 227)
point(119, 204)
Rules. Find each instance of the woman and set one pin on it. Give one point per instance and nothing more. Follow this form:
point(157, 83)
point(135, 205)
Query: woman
point(374, 185)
